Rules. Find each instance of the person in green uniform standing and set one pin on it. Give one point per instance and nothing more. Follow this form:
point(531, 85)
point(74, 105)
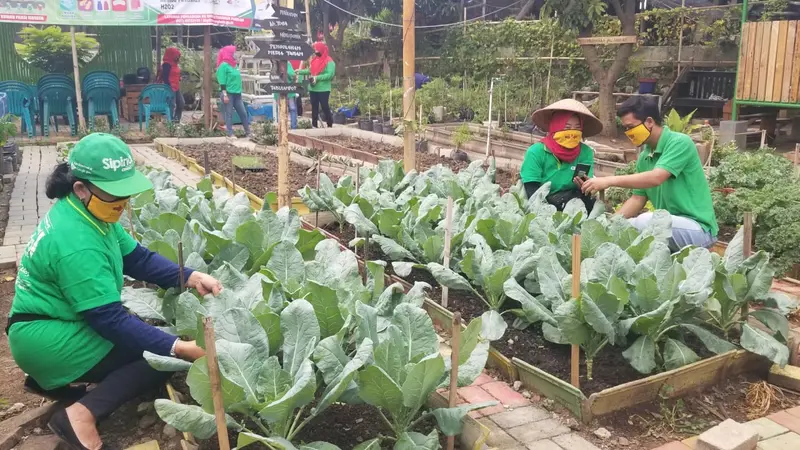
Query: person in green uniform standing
point(669, 174)
point(230, 83)
point(66, 323)
point(292, 100)
point(321, 74)
point(561, 158)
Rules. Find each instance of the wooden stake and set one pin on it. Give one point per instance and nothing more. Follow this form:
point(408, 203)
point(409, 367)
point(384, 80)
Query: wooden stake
point(576, 292)
point(180, 265)
point(130, 221)
point(448, 235)
point(319, 163)
point(454, 346)
point(207, 76)
point(409, 91)
point(796, 155)
point(233, 177)
point(747, 250)
point(205, 162)
point(763, 138)
point(284, 198)
point(77, 75)
point(216, 385)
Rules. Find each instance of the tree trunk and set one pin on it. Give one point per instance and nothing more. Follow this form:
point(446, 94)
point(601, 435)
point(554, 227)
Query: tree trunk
point(526, 9)
point(608, 107)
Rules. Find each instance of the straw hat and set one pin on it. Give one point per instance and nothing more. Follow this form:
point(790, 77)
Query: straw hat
point(591, 124)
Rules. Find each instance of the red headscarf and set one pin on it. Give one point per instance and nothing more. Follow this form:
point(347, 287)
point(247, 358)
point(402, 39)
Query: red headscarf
point(171, 55)
point(557, 123)
point(296, 64)
point(318, 63)
point(225, 55)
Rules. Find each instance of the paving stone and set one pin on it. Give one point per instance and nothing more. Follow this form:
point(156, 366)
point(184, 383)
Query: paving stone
point(574, 441)
point(728, 435)
point(787, 420)
point(482, 379)
point(44, 442)
point(497, 437)
point(544, 444)
point(476, 394)
point(519, 416)
point(674, 445)
point(690, 442)
point(794, 411)
point(787, 441)
point(788, 377)
point(536, 431)
point(507, 395)
point(766, 428)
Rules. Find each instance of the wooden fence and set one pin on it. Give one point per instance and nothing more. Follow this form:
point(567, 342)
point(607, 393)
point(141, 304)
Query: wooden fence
point(769, 62)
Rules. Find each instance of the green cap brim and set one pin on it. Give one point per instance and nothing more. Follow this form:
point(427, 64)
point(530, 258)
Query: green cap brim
point(133, 185)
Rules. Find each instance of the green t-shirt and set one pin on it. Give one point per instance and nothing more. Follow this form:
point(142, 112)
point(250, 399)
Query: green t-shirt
point(541, 166)
point(686, 192)
point(230, 77)
point(72, 263)
point(291, 74)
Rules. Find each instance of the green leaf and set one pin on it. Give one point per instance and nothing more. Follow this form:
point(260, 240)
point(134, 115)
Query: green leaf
point(450, 419)
point(710, 340)
point(329, 358)
point(677, 354)
point(570, 323)
point(288, 266)
point(188, 306)
point(392, 249)
point(319, 445)
point(734, 254)
point(326, 308)
point(300, 334)
point(246, 438)
point(304, 384)
point(241, 326)
point(611, 260)
point(422, 380)
point(372, 444)
point(775, 321)
point(417, 331)
point(240, 363)
point(646, 295)
point(761, 343)
point(534, 310)
point(234, 254)
point(343, 381)
point(273, 381)
point(167, 221)
point(596, 317)
point(642, 355)
point(199, 384)
point(250, 235)
point(307, 241)
point(432, 248)
point(493, 326)
point(145, 303)
point(189, 418)
point(354, 216)
point(417, 441)
point(551, 276)
point(166, 363)
point(447, 277)
point(593, 235)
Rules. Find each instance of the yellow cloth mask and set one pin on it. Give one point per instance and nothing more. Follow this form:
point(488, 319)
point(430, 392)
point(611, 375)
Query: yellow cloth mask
point(568, 138)
point(638, 134)
point(108, 212)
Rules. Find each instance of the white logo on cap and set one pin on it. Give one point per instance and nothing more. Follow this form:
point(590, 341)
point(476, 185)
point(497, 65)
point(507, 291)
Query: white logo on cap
point(114, 164)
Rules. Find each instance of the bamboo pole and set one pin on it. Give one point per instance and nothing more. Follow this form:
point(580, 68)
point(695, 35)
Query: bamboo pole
point(576, 292)
point(216, 385)
point(233, 177)
point(448, 236)
point(455, 344)
point(77, 75)
point(409, 91)
point(284, 198)
point(205, 162)
point(796, 155)
point(763, 138)
point(319, 163)
point(308, 25)
point(207, 75)
point(747, 250)
point(550, 69)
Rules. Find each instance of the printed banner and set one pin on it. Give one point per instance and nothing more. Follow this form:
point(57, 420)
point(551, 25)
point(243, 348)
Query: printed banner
point(231, 13)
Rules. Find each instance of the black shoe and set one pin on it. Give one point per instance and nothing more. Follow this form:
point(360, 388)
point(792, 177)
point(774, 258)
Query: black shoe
point(69, 394)
point(59, 424)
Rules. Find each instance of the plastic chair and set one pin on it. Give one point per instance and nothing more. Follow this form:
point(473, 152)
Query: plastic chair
point(20, 99)
point(54, 78)
point(160, 98)
point(103, 75)
point(57, 99)
point(102, 100)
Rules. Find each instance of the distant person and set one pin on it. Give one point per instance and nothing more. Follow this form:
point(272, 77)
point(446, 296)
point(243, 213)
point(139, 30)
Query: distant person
point(321, 72)
point(669, 174)
point(420, 79)
point(561, 158)
point(297, 65)
point(170, 74)
point(291, 101)
point(230, 83)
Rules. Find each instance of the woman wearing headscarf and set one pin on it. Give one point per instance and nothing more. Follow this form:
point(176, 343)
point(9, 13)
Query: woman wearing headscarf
point(170, 74)
point(230, 83)
point(291, 101)
point(561, 157)
point(321, 73)
point(67, 324)
point(298, 100)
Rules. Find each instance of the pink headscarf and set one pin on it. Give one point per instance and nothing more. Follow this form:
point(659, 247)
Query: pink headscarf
point(557, 123)
point(225, 55)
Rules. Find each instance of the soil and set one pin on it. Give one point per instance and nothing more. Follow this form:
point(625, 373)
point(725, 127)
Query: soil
point(726, 232)
point(257, 182)
point(425, 161)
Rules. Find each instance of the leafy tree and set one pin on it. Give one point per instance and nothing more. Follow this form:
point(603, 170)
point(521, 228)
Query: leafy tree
point(583, 16)
point(50, 48)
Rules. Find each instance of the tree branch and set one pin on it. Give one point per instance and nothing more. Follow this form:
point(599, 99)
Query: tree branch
point(620, 61)
point(593, 61)
point(526, 9)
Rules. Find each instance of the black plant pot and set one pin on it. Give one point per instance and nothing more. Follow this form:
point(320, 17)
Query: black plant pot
point(388, 129)
point(365, 124)
point(339, 118)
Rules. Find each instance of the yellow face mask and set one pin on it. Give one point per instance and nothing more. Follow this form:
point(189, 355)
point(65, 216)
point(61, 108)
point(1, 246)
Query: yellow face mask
point(108, 212)
point(568, 138)
point(638, 134)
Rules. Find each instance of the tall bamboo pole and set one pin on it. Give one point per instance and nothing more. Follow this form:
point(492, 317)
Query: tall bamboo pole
point(575, 354)
point(284, 198)
point(409, 155)
point(77, 75)
point(207, 76)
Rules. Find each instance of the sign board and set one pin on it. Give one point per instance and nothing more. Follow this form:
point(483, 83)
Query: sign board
point(607, 40)
point(276, 18)
point(283, 51)
point(284, 88)
point(286, 35)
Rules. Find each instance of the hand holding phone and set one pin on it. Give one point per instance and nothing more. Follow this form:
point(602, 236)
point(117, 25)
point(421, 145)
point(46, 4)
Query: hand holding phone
point(582, 171)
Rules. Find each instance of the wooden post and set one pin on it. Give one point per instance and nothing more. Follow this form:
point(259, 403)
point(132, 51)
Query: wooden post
point(448, 235)
point(216, 385)
point(455, 344)
point(205, 162)
point(489, 128)
point(576, 292)
point(796, 155)
point(77, 75)
point(130, 221)
point(233, 177)
point(180, 266)
point(409, 91)
point(747, 249)
point(763, 139)
point(319, 163)
point(284, 198)
point(207, 76)
point(549, 70)
point(680, 36)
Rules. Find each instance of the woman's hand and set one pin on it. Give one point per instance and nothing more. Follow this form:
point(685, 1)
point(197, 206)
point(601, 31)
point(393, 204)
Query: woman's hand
point(594, 185)
point(204, 283)
point(225, 98)
point(313, 80)
point(189, 350)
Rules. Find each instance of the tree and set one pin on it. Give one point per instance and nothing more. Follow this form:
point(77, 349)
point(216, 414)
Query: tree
point(584, 16)
point(50, 48)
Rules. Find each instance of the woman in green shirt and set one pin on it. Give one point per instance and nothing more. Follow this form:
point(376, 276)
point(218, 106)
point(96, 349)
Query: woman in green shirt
point(67, 324)
point(321, 73)
point(561, 158)
point(230, 83)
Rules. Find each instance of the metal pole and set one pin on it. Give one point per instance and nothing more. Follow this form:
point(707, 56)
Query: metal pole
point(207, 76)
point(77, 75)
point(409, 91)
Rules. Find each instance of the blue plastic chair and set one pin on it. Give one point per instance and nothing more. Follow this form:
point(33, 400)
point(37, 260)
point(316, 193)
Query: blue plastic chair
point(58, 99)
point(100, 75)
point(20, 101)
point(160, 98)
point(54, 78)
point(102, 100)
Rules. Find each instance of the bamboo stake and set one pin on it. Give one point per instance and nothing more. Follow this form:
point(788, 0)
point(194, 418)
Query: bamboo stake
point(180, 265)
point(319, 163)
point(216, 385)
point(576, 292)
point(205, 162)
point(747, 249)
point(77, 75)
point(233, 177)
point(763, 138)
point(796, 155)
point(455, 343)
point(409, 85)
point(207, 76)
point(448, 235)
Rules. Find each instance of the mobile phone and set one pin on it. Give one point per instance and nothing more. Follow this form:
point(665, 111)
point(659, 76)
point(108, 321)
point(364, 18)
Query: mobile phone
point(582, 170)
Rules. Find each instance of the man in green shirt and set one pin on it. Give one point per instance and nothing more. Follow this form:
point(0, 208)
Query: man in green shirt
point(669, 174)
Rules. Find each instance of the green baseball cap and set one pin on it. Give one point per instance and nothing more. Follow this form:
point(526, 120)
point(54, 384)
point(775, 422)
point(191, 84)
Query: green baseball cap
point(106, 161)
